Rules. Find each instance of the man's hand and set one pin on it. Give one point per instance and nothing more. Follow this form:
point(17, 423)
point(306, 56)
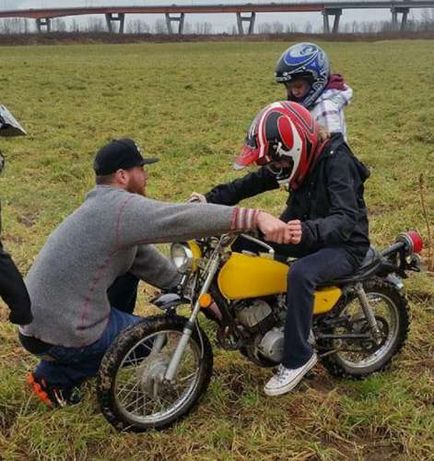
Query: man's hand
point(195, 197)
point(274, 229)
point(294, 227)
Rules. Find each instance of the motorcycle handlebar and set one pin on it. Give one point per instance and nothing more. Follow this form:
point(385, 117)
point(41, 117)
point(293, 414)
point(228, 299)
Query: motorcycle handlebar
point(269, 248)
point(393, 248)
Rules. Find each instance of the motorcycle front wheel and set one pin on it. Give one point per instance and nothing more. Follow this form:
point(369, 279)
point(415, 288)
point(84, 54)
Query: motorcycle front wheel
point(131, 389)
point(358, 359)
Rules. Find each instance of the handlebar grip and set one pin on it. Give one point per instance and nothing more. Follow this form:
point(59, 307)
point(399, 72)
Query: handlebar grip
point(393, 248)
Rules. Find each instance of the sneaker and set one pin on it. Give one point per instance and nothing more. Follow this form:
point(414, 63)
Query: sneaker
point(51, 395)
point(287, 378)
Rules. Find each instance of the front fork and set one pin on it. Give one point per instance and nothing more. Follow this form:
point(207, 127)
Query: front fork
point(188, 329)
point(369, 314)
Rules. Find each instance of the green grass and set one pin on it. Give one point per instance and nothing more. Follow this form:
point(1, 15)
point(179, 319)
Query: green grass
point(190, 103)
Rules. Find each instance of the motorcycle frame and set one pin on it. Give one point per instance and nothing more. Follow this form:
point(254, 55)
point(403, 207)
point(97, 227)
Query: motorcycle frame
point(228, 323)
point(212, 267)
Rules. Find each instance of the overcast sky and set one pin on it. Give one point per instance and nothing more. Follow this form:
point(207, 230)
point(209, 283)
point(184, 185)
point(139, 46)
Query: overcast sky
point(220, 22)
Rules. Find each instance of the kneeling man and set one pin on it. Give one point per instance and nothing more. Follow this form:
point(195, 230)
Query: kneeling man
point(109, 235)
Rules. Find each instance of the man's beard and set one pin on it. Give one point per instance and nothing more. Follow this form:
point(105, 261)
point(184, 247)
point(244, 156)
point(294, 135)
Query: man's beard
point(135, 189)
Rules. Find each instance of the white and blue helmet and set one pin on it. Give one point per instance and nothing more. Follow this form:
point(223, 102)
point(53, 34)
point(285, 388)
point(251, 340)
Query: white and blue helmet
point(304, 60)
point(9, 125)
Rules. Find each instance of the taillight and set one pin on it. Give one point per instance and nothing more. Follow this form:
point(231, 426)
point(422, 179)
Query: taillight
point(413, 241)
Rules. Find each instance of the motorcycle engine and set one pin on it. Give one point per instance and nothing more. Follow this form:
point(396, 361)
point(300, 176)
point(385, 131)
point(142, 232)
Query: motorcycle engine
point(254, 313)
point(271, 345)
point(266, 325)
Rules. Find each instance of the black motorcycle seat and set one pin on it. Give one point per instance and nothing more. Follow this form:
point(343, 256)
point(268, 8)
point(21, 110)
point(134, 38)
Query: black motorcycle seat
point(370, 264)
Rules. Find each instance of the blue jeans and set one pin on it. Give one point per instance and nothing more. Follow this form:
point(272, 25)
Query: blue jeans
point(311, 269)
point(70, 366)
point(303, 278)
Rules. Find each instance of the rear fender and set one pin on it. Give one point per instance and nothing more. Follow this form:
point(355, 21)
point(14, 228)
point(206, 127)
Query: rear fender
point(395, 280)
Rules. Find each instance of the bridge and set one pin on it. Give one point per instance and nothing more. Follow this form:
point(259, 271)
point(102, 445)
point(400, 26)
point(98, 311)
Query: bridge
point(245, 12)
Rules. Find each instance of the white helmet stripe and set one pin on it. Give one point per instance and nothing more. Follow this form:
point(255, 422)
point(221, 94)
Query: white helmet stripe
point(262, 136)
point(295, 152)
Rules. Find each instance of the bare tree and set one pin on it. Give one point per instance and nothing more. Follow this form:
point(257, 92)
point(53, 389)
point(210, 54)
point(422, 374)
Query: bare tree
point(277, 27)
point(203, 28)
point(75, 26)
point(291, 28)
point(95, 25)
point(138, 26)
point(58, 25)
point(264, 28)
point(160, 27)
point(188, 28)
point(12, 26)
point(27, 27)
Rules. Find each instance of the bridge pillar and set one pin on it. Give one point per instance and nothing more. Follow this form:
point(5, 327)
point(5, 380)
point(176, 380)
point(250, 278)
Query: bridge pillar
point(326, 12)
point(399, 10)
point(43, 23)
point(111, 18)
point(250, 19)
point(179, 18)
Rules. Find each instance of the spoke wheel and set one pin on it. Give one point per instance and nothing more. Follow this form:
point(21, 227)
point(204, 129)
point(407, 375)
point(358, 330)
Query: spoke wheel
point(358, 359)
point(132, 391)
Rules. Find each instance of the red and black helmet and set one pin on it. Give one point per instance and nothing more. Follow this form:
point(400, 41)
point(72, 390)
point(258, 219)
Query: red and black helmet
point(282, 130)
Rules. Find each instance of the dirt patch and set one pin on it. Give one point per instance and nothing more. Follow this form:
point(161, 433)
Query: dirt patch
point(12, 238)
point(27, 219)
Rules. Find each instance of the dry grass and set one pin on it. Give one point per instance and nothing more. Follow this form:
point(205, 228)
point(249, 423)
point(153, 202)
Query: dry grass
point(190, 104)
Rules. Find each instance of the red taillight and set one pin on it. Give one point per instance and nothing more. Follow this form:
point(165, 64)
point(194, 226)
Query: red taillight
point(417, 241)
point(412, 240)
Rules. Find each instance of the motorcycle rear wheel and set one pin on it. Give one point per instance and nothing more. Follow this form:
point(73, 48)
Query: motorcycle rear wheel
point(132, 393)
point(391, 311)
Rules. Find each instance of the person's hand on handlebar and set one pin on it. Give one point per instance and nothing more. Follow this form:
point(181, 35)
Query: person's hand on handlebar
point(295, 229)
point(277, 231)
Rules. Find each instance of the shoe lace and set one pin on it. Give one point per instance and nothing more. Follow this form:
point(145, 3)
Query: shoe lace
point(59, 397)
point(282, 373)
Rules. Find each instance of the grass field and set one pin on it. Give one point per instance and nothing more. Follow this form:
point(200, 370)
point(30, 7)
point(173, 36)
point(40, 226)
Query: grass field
point(190, 103)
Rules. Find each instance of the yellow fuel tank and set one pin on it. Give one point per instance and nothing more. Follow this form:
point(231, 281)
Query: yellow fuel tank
point(244, 276)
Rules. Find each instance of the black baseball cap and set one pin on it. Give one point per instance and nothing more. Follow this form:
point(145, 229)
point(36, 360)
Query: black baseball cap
point(120, 153)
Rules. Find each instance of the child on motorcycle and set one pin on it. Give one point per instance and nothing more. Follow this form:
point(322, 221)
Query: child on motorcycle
point(12, 288)
point(325, 212)
point(304, 69)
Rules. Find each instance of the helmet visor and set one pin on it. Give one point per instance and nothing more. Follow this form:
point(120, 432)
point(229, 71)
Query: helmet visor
point(248, 155)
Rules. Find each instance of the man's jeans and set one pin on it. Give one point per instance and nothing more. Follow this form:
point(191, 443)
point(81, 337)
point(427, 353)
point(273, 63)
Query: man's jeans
point(69, 366)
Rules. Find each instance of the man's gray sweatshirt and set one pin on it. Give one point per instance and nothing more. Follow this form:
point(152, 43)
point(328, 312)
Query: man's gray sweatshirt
point(108, 235)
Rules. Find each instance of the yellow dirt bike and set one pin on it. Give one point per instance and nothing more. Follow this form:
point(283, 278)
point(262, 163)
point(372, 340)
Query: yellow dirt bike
point(157, 370)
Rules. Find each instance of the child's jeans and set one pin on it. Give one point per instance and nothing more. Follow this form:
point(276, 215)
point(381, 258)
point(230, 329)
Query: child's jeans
point(70, 366)
point(303, 278)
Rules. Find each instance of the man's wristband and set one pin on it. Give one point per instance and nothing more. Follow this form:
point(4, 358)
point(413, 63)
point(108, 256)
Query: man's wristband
point(244, 219)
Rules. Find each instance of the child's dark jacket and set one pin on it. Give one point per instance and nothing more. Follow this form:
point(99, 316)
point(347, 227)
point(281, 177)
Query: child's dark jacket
point(329, 203)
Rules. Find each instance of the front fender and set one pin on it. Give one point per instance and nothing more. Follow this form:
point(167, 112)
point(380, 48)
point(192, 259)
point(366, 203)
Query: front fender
point(169, 301)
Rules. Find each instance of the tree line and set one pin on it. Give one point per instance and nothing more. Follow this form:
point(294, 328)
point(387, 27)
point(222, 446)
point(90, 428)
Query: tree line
point(139, 26)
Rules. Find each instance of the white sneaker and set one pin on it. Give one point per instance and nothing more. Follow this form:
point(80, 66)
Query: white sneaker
point(287, 378)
